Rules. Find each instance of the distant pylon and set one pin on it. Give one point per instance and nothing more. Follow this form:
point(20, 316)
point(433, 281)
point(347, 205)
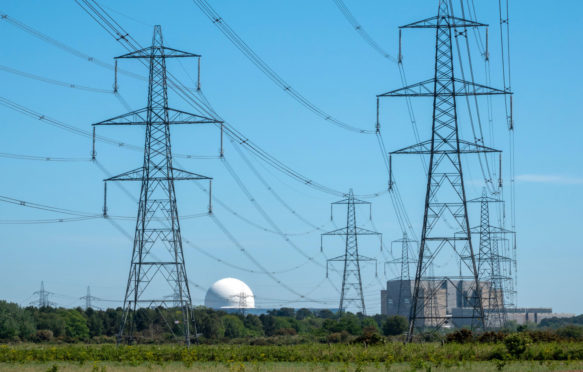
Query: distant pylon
point(88, 299)
point(43, 296)
point(157, 251)
point(351, 293)
point(445, 197)
point(242, 301)
point(404, 275)
point(490, 263)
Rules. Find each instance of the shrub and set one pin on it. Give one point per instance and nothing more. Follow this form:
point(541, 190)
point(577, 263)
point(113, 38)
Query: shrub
point(491, 337)
point(516, 344)
point(461, 336)
point(286, 332)
point(571, 333)
point(394, 325)
point(370, 336)
point(43, 335)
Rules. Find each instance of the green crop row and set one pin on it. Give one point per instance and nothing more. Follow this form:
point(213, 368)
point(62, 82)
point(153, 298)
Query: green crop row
point(392, 353)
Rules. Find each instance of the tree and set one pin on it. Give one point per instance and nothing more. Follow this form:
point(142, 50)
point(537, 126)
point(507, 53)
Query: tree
point(268, 322)
point(234, 327)
point(75, 324)
point(395, 325)
point(253, 325)
point(303, 313)
point(326, 314)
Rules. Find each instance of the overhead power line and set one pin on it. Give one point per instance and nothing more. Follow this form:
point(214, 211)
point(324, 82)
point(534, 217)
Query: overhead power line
point(362, 32)
point(222, 25)
point(53, 81)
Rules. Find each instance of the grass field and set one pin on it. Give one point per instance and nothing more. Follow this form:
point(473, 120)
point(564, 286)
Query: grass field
point(552, 356)
point(291, 367)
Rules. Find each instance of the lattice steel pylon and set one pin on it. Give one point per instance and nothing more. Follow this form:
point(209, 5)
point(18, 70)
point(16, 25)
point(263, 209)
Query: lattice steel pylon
point(88, 299)
point(351, 293)
point(157, 276)
point(43, 296)
point(491, 262)
point(404, 263)
point(445, 194)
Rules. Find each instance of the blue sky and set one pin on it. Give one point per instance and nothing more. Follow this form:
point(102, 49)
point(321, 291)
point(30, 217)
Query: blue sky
point(312, 46)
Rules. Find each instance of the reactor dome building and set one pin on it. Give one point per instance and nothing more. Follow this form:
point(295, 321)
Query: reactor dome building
point(229, 293)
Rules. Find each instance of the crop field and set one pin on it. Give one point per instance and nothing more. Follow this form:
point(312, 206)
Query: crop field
point(307, 357)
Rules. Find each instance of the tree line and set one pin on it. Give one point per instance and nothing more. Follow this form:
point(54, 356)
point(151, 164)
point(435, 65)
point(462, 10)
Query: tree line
point(49, 324)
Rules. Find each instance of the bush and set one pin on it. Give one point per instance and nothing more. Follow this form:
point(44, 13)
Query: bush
point(337, 337)
point(516, 344)
point(571, 333)
point(461, 336)
point(285, 332)
point(370, 336)
point(43, 335)
point(491, 337)
point(395, 325)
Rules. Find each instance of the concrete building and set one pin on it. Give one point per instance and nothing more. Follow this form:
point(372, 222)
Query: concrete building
point(451, 302)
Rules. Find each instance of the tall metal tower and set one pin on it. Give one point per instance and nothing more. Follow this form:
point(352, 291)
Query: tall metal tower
point(445, 198)
point(404, 262)
point(88, 299)
point(157, 268)
point(491, 262)
point(43, 296)
point(351, 293)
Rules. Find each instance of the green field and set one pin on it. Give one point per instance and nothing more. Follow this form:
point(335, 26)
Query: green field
point(312, 357)
point(292, 367)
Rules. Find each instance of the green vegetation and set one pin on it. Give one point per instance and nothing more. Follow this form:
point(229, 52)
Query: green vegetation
point(282, 340)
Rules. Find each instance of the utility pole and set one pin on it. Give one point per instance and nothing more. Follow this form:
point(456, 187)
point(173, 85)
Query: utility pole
point(157, 251)
point(445, 197)
point(351, 293)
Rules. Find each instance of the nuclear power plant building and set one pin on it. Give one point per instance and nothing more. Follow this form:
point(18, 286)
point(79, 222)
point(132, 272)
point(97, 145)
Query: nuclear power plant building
point(455, 300)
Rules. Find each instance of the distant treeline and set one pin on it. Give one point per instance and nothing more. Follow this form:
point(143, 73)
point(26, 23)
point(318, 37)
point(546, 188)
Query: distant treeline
point(283, 326)
point(48, 324)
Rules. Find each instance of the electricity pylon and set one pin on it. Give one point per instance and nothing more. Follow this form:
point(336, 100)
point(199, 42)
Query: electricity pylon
point(445, 197)
point(88, 299)
point(491, 262)
point(404, 262)
point(43, 296)
point(157, 250)
point(351, 293)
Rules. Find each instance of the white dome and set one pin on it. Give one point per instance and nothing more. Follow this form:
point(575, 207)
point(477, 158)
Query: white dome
point(229, 293)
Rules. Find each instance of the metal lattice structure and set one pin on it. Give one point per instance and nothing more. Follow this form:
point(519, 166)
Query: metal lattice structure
point(89, 299)
point(492, 262)
point(445, 198)
point(157, 276)
point(43, 296)
point(351, 292)
point(404, 263)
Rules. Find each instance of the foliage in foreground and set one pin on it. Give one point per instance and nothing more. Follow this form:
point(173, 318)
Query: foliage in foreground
point(435, 353)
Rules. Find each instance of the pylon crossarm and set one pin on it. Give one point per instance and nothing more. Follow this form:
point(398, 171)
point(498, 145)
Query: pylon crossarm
point(136, 117)
point(178, 175)
point(183, 117)
point(139, 117)
point(340, 231)
point(438, 21)
point(158, 51)
point(465, 147)
point(426, 88)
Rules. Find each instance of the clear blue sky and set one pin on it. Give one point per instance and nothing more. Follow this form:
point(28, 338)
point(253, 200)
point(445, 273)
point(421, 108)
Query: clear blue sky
point(312, 46)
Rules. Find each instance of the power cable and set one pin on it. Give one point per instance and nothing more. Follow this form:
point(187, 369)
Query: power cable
point(53, 81)
point(240, 44)
point(361, 31)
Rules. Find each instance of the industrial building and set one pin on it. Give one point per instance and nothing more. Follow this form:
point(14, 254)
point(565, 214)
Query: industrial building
point(453, 301)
